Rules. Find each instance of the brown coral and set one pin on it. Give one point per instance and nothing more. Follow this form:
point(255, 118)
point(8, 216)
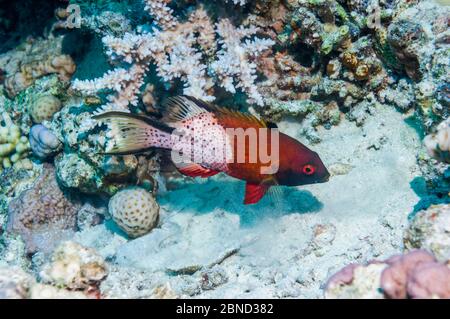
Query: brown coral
point(34, 59)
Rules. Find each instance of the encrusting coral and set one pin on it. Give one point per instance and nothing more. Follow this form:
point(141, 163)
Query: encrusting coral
point(135, 210)
point(43, 215)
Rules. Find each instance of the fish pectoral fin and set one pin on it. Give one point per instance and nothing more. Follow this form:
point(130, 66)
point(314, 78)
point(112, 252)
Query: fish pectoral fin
point(196, 170)
point(254, 192)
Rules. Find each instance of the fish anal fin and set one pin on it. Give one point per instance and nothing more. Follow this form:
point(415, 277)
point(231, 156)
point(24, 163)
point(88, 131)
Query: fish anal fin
point(196, 170)
point(254, 192)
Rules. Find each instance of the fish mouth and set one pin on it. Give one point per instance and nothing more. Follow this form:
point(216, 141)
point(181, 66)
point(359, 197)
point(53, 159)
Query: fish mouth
point(326, 178)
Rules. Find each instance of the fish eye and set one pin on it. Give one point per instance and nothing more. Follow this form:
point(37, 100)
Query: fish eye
point(309, 169)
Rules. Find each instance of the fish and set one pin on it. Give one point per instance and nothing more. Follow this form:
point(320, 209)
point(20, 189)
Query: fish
point(206, 139)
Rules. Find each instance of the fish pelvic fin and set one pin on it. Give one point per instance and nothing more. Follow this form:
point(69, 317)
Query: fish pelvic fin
point(254, 192)
point(130, 133)
point(196, 170)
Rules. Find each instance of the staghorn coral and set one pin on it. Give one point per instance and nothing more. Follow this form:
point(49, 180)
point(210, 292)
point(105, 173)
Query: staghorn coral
point(134, 210)
point(43, 214)
point(14, 146)
point(234, 66)
point(74, 267)
point(34, 59)
point(416, 274)
point(173, 51)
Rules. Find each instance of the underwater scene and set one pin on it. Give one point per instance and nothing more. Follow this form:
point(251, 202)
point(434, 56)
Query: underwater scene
point(224, 149)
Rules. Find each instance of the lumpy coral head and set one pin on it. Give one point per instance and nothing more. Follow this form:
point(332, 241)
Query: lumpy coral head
point(429, 280)
point(394, 279)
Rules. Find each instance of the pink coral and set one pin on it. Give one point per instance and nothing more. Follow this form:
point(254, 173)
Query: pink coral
point(343, 276)
point(394, 279)
point(416, 274)
point(429, 280)
point(43, 214)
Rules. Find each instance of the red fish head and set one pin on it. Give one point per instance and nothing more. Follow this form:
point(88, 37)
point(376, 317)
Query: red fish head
point(299, 165)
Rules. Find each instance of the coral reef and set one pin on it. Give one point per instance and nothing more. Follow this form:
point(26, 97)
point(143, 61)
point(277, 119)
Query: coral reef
point(416, 274)
point(134, 210)
point(429, 230)
point(363, 88)
point(43, 215)
point(74, 267)
point(36, 58)
point(416, 37)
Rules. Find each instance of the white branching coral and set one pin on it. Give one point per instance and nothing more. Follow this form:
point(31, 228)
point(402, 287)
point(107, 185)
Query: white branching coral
point(161, 13)
point(234, 66)
point(180, 50)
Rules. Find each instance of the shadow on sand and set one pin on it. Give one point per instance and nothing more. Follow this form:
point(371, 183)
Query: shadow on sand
point(202, 197)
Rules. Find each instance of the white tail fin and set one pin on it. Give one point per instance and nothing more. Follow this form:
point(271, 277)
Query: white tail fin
point(130, 133)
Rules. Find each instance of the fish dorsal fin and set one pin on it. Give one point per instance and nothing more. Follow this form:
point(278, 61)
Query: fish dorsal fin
point(183, 107)
point(254, 192)
point(179, 108)
point(196, 170)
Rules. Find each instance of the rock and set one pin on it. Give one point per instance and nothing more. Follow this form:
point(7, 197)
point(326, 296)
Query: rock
point(75, 267)
point(14, 283)
point(43, 215)
point(40, 291)
point(429, 229)
point(356, 282)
